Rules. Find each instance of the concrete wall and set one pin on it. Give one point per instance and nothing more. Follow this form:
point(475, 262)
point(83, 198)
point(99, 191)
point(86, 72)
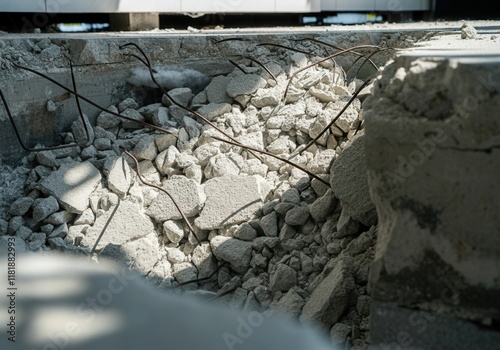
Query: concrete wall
point(433, 159)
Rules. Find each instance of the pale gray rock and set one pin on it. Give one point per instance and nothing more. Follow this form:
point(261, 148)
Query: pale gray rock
point(203, 259)
point(246, 84)
point(46, 158)
point(350, 183)
point(322, 162)
point(234, 251)
point(127, 103)
point(107, 120)
point(36, 240)
point(266, 97)
point(339, 333)
point(59, 231)
point(23, 232)
point(323, 206)
point(245, 232)
point(121, 224)
point(79, 132)
point(192, 127)
point(160, 117)
point(145, 148)
point(223, 165)
point(194, 172)
point(216, 90)
point(72, 185)
point(322, 95)
point(306, 264)
point(59, 218)
point(283, 278)
point(284, 207)
point(269, 224)
point(291, 196)
point(44, 208)
point(174, 255)
point(120, 177)
point(346, 226)
point(184, 272)
point(186, 194)
point(85, 218)
point(181, 95)
point(133, 114)
point(468, 32)
point(102, 144)
point(205, 152)
point(290, 305)
point(149, 110)
point(14, 224)
point(174, 230)
point(213, 110)
point(223, 207)
point(297, 216)
point(88, 152)
point(140, 255)
point(21, 206)
point(332, 297)
point(164, 141)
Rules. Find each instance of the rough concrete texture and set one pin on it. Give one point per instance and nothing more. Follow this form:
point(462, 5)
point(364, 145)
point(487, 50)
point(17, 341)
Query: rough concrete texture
point(72, 185)
point(332, 297)
point(432, 148)
point(223, 208)
point(288, 243)
point(350, 183)
point(120, 224)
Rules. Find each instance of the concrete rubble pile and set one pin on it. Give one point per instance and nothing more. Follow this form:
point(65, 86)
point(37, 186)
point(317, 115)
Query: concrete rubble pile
point(290, 244)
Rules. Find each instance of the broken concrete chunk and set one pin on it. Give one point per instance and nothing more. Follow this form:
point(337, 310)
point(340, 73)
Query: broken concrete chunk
point(180, 95)
point(141, 254)
point(350, 183)
point(213, 110)
point(332, 297)
point(21, 206)
point(119, 225)
point(237, 253)
point(232, 200)
point(127, 103)
point(120, 177)
point(269, 224)
point(44, 208)
point(72, 185)
point(132, 114)
point(246, 84)
point(283, 278)
point(297, 216)
point(79, 132)
point(186, 194)
point(174, 230)
point(203, 259)
point(216, 90)
point(107, 120)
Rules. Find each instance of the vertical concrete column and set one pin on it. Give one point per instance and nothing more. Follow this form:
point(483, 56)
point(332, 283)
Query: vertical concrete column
point(433, 161)
point(134, 21)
